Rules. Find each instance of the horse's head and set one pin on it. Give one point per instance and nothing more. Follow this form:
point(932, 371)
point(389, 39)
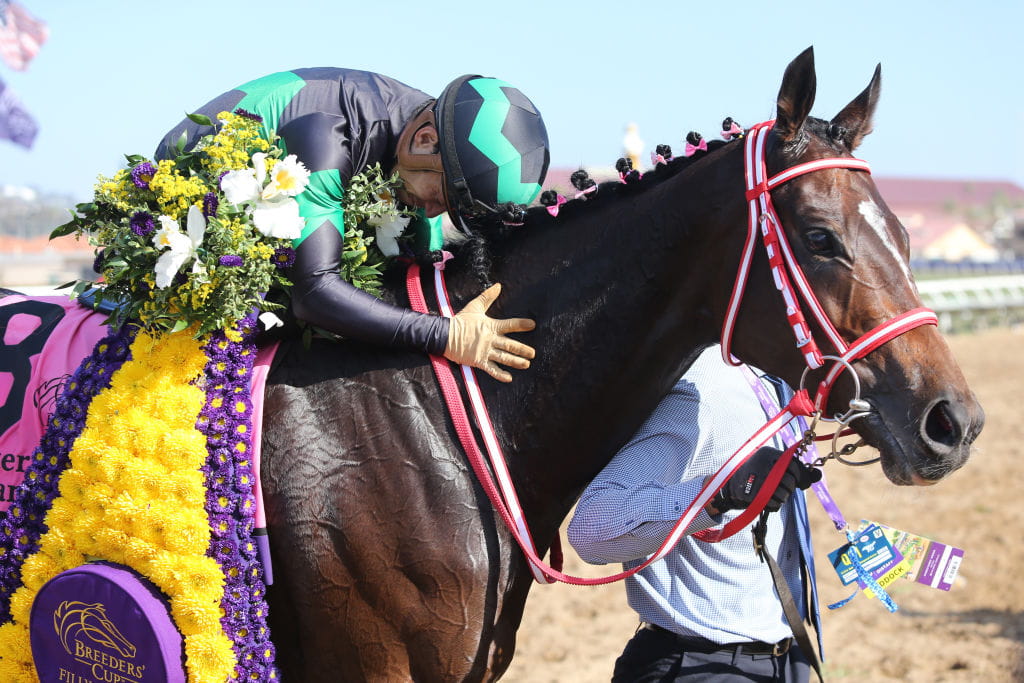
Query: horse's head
point(855, 254)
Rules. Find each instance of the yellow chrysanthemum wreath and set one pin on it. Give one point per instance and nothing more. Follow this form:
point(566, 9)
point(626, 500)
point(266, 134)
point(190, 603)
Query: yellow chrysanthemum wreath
point(133, 494)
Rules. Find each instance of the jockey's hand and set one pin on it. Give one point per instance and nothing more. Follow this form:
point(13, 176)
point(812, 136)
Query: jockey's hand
point(479, 341)
point(739, 490)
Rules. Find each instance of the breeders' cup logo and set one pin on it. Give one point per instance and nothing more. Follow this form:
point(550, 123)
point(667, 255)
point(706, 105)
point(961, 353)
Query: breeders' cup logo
point(88, 635)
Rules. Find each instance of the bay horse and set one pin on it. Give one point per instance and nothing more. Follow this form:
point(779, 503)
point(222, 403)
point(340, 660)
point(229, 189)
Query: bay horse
point(390, 562)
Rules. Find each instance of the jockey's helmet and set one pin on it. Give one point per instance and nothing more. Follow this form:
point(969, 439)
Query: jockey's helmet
point(493, 144)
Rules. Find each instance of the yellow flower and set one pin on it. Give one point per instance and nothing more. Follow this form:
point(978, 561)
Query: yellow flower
point(73, 485)
point(139, 553)
point(38, 569)
point(195, 615)
point(174, 192)
point(21, 604)
point(182, 484)
point(206, 653)
point(16, 655)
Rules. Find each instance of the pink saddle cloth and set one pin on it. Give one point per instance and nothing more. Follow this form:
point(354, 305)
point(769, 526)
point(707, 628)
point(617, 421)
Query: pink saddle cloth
point(44, 340)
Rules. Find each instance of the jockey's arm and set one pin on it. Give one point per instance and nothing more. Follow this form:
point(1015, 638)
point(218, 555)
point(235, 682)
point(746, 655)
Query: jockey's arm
point(321, 297)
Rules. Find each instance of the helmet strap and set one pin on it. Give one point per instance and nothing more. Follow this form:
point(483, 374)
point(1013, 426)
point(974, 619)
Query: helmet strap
point(456, 188)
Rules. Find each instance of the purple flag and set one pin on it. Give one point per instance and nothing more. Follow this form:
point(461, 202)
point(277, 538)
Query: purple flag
point(16, 124)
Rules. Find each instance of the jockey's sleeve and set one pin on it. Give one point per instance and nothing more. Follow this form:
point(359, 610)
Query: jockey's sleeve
point(321, 297)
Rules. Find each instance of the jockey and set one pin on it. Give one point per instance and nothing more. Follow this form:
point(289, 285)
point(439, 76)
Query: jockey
point(479, 145)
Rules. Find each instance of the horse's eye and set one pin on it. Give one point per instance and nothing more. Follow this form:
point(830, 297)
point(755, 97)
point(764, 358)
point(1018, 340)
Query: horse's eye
point(820, 242)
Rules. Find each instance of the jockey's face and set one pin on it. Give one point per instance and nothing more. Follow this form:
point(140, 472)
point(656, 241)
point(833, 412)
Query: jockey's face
point(422, 189)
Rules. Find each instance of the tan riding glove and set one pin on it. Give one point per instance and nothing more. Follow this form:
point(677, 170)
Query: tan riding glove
point(479, 341)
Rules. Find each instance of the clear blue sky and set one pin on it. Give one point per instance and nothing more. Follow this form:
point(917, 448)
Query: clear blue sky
point(115, 76)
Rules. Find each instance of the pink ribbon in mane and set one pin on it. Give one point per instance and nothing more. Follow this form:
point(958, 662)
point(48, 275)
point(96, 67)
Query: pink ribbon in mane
point(553, 209)
point(691, 149)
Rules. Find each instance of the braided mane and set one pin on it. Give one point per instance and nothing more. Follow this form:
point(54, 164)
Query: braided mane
point(538, 216)
point(474, 253)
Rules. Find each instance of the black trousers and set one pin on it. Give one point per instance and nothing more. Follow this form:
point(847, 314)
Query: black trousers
point(655, 656)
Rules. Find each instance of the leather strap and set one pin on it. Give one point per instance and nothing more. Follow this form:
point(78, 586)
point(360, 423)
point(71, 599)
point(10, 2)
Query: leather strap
point(796, 622)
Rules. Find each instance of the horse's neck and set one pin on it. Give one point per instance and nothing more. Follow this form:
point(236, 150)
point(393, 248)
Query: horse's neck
point(625, 299)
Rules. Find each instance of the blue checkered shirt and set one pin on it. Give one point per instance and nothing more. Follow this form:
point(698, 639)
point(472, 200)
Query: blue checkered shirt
point(718, 591)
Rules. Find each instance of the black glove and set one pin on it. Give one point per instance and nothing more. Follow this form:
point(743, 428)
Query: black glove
point(739, 490)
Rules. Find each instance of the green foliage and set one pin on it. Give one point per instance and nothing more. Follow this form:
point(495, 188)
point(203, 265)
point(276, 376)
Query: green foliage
point(370, 200)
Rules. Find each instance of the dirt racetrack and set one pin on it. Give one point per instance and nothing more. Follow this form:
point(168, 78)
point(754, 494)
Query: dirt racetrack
point(975, 632)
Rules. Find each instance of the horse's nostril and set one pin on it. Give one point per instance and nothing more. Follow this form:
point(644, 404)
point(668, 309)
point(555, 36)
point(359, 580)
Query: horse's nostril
point(940, 425)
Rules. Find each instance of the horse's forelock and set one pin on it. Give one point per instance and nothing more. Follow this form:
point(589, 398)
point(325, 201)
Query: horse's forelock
point(815, 129)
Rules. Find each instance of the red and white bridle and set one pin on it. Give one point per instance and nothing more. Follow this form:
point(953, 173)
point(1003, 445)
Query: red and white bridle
point(789, 277)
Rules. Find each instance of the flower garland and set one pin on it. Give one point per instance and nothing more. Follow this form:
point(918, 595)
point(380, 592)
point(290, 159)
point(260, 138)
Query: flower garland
point(226, 421)
point(234, 193)
point(140, 490)
point(371, 202)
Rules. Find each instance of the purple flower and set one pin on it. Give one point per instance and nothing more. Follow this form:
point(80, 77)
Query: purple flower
point(214, 439)
point(245, 525)
point(249, 115)
point(142, 223)
point(266, 653)
point(230, 260)
point(210, 203)
point(225, 548)
point(255, 672)
point(229, 504)
point(223, 526)
point(142, 174)
point(202, 422)
point(284, 257)
point(233, 566)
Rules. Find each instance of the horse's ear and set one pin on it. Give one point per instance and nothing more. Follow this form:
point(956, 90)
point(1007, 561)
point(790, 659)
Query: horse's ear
point(795, 96)
point(855, 120)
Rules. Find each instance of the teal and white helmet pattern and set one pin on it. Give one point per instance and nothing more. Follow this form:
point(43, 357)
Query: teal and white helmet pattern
point(494, 146)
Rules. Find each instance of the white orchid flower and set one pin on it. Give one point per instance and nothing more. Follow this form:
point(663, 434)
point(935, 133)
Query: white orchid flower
point(270, 320)
point(389, 228)
point(245, 185)
point(168, 226)
point(181, 247)
point(240, 187)
point(259, 167)
point(287, 179)
point(278, 218)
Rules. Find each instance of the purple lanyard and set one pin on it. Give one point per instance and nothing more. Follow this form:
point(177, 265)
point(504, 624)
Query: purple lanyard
point(770, 405)
point(790, 435)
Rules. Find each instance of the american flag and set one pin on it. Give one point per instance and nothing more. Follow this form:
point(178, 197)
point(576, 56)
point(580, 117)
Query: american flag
point(21, 35)
point(16, 124)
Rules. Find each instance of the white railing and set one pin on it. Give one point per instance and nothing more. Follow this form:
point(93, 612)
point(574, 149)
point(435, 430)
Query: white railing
point(968, 303)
